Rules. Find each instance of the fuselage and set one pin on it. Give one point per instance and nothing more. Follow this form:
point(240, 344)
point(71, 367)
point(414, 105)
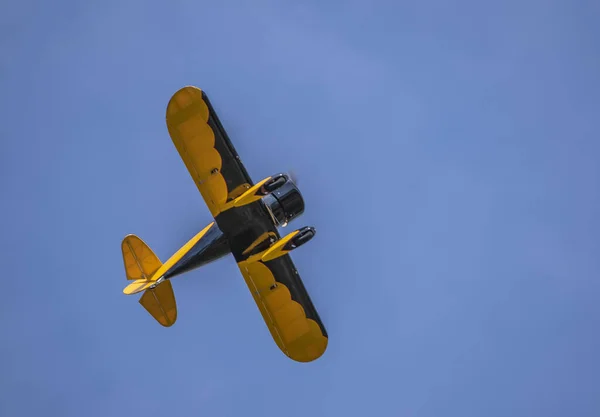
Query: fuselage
point(236, 229)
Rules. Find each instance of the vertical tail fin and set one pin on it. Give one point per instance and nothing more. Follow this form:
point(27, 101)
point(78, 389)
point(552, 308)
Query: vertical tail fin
point(140, 261)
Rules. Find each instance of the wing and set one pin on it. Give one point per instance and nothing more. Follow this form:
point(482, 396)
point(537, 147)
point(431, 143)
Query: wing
point(205, 148)
point(286, 307)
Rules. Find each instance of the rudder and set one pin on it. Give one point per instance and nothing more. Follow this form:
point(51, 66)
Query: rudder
point(160, 302)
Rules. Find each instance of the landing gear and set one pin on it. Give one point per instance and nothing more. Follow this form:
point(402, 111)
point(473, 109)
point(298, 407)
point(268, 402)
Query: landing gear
point(304, 235)
point(273, 184)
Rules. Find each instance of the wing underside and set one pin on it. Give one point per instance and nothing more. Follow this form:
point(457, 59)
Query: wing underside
point(205, 148)
point(286, 307)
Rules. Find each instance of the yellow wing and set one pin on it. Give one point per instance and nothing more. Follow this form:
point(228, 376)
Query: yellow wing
point(286, 307)
point(205, 148)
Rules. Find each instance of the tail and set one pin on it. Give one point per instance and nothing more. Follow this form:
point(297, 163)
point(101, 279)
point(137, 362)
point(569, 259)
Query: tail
point(142, 267)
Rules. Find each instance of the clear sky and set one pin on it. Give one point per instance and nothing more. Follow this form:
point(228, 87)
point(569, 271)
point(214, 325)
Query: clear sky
point(448, 155)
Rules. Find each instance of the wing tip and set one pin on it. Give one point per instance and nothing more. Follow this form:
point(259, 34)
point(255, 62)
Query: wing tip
point(186, 89)
point(311, 353)
point(182, 98)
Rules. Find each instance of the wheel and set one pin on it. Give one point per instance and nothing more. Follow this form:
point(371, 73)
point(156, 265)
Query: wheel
point(274, 184)
point(303, 238)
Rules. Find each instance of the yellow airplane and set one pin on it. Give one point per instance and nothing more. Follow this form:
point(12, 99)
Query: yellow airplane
point(246, 218)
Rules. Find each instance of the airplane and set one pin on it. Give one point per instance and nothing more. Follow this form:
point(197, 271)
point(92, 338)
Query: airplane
point(246, 217)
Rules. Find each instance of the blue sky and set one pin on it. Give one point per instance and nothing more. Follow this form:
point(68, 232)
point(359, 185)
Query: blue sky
point(448, 156)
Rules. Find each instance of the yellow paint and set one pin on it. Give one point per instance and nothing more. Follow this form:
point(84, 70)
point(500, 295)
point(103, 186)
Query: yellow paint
point(259, 240)
point(297, 336)
point(247, 197)
point(277, 250)
point(160, 303)
point(137, 286)
point(140, 261)
point(238, 191)
point(158, 299)
point(133, 287)
point(273, 252)
point(187, 117)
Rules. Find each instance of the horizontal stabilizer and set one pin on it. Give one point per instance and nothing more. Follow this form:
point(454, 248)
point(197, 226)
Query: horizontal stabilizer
point(138, 285)
point(160, 303)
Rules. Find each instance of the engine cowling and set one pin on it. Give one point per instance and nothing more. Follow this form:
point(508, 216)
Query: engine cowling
point(282, 199)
